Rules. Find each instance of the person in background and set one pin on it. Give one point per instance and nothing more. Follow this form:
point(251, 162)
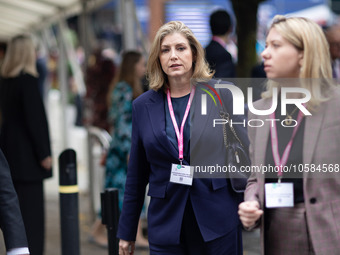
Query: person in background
point(42, 70)
point(333, 37)
point(24, 136)
point(218, 57)
point(186, 215)
point(298, 211)
point(123, 90)
point(11, 222)
point(99, 74)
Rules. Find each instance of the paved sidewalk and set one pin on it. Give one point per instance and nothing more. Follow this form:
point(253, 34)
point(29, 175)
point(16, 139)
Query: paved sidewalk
point(53, 243)
point(53, 246)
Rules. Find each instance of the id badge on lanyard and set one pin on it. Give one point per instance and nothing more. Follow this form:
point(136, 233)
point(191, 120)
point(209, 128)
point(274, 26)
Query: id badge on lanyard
point(180, 173)
point(281, 194)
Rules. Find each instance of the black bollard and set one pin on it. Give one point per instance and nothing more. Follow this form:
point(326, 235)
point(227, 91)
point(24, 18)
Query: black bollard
point(68, 195)
point(110, 217)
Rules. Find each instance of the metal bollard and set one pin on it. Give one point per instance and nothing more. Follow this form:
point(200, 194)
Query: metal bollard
point(68, 200)
point(110, 217)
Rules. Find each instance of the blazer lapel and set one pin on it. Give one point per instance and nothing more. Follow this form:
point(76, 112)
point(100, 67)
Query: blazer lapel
point(157, 119)
point(199, 121)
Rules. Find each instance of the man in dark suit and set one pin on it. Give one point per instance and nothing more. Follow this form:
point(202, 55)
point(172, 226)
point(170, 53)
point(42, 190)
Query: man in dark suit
point(218, 57)
point(11, 222)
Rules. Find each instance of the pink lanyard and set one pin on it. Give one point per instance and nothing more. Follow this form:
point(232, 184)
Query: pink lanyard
point(281, 162)
point(179, 134)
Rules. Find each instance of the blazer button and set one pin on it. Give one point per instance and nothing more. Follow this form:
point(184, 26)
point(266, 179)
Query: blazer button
point(312, 200)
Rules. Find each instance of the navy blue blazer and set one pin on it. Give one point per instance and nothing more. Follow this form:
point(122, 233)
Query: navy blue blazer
point(11, 222)
point(214, 203)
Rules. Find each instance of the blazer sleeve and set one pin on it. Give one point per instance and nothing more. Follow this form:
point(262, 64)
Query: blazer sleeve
point(251, 192)
point(11, 222)
point(136, 181)
point(252, 189)
point(35, 117)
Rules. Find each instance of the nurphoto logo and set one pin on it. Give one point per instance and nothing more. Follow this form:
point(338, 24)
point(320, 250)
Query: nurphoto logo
point(238, 104)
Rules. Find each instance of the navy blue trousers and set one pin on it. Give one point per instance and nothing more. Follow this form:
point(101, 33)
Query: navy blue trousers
point(192, 242)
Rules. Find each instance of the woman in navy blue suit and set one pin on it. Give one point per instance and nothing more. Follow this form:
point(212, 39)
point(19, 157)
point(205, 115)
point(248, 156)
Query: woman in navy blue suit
point(187, 214)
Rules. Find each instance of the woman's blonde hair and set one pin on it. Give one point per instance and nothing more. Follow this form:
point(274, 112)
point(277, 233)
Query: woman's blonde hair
point(157, 78)
point(20, 56)
point(316, 71)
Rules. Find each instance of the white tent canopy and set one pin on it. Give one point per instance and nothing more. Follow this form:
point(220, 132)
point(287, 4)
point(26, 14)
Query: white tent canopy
point(18, 16)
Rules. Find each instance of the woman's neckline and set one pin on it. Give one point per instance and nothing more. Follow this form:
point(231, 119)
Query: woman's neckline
point(180, 97)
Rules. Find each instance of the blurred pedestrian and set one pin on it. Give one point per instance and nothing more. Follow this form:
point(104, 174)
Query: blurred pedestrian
point(98, 77)
point(298, 211)
point(333, 37)
point(24, 135)
point(216, 53)
point(126, 87)
point(186, 215)
point(41, 65)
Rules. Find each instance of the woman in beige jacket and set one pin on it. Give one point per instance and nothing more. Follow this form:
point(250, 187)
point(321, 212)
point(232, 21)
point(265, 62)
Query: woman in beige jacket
point(293, 192)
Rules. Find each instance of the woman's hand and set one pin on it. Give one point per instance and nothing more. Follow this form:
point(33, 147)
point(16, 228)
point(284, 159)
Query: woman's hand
point(249, 212)
point(126, 247)
point(47, 163)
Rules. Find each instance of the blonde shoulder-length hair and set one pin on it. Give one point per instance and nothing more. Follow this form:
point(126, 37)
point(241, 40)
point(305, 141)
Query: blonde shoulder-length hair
point(157, 78)
point(20, 56)
point(316, 71)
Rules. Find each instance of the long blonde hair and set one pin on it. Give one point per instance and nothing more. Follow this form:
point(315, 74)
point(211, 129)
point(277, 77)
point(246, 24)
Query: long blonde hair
point(316, 71)
point(20, 56)
point(157, 78)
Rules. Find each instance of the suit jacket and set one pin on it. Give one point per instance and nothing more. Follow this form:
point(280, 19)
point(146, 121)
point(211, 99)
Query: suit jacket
point(220, 60)
point(24, 135)
point(11, 222)
point(321, 145)
point(213, 200)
